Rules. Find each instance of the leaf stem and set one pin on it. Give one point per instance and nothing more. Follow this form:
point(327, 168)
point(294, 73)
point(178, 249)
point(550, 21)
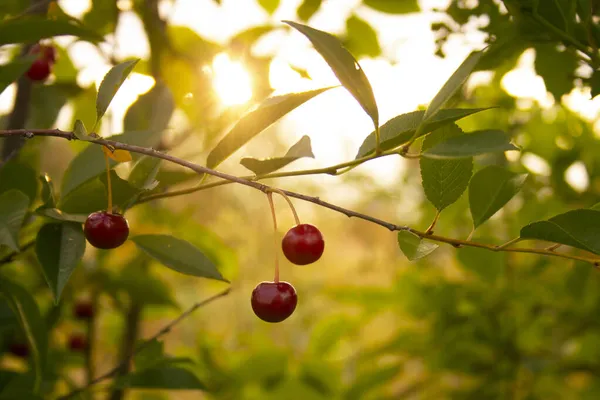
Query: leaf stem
point(429, 230)
point(509, 243)
point(272, 207)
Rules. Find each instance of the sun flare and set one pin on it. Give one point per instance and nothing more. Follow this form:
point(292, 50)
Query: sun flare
point(231, 81)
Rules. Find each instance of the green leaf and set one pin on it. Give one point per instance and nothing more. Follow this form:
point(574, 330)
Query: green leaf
point(256, 121)
point(80, 132)
point(261, 167)
point(595, 83)
point(361, 38)
point(12, 71)
point(47, 101)
point(13, 207)
point(124, 194)
point(576, 228)
point(344, 66)
point(90, 163)
point(456, 80)
point(393, 6)
point(269, 5)
point(31, 323)
point(401, 128)
point(110, 85)
point(152, 110)
point(444, 181)
point(307, 9)
point(163, 377)
point(471, 144)
point(34, 28)
point(15, 175)
point(144, 172)
point(59, 215)
point(152, 354)
point(59, 248)
point(178, 255)
point(249, 36)
point(556, 67)
point(595, 207)
point(413, 246)
point(85, 199)
point(490, 189)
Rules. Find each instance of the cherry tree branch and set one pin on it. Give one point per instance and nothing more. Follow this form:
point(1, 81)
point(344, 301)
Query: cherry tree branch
point(166, 329)
point(30, 133)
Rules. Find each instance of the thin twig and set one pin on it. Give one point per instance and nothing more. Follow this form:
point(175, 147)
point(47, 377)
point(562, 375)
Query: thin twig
point(315, 200)
point(166, 329)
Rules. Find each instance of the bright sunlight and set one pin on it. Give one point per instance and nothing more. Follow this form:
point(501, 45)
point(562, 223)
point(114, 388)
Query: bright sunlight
point(231, 81)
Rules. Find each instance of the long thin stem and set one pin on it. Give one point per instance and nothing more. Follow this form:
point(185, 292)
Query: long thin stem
point(272, 207)
point(109, 185)
point(285, 196)
point(29, 133)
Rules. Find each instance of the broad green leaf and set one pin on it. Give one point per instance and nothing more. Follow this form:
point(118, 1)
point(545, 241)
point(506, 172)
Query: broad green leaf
point(307, 9)
point(269, 5)
point(152, 354)
point(152, 110)
point(576, 228)
point(178, 255)
point(48, 194)
point(15, 175)
point(60, 215)
point(256, 121)
point(90, 162)
point(124, 194)
point(164, 377)
point(144, 172)
point(401, 128)
point(31, 322)
point(393, 6)
point(471, 144)
point(444, 181)
point(413, 246)
point(59, 248)
point(13, 207)
point(33, 28)
point(85, 199)
point(12, 71)
point(456, 80)
point(556, 67)
point(110, 85)
point(490, 189)
point(80, 132)
point(344, 66)
point(361, 38)
point(261, 167)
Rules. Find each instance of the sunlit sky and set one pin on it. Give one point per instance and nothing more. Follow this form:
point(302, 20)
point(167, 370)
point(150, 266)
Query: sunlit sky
point(334, 121)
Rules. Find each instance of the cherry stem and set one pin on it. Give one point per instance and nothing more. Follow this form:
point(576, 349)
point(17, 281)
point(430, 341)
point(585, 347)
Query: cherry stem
point(272, 206)
point(285, 196)
point(108, 184)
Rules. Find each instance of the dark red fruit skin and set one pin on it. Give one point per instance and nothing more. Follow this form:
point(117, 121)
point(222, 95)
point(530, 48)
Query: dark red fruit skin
point(106, 231)
point(39, 70)
point(42, 67)
point(303, 244)
point(19, 349)
point(274, 302)
point(83, 310)
point(77, 342)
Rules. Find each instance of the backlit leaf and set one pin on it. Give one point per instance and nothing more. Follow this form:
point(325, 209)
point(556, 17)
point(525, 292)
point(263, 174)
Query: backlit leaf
point(471, 144)
point(393, 6)
point(110, 85)
point(256, 121)
point(490, 189)
point(118, 155)
point(444, 181)
point(413, 246)
point(344, 66)
point(261, 167)
point(33, 28)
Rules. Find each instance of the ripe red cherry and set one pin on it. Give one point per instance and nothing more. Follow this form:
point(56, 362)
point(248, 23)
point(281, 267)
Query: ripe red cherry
point(39, 70)
point(83, 310)
point(303, 244)
point(42, 67)
point(19, 349)
point(274, 302)
point(77, 342)
point(105, 230)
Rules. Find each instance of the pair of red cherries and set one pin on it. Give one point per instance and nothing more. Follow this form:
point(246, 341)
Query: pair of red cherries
point(276, 301)
point(271, 301)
